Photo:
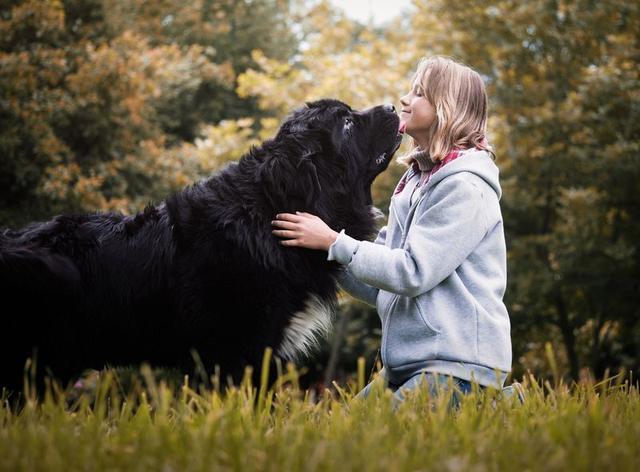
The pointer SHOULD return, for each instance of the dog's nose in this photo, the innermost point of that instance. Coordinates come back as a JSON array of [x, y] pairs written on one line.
[[389, 107]]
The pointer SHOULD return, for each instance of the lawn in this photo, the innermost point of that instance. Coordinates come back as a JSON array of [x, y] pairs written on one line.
[[164, 428]]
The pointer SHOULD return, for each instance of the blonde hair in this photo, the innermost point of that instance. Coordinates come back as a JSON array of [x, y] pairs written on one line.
[[458, 95]]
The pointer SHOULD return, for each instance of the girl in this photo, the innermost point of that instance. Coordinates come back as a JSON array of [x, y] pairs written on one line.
[[437, 271]]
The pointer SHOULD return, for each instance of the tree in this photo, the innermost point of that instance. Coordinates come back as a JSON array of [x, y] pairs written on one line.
[[101, 102]]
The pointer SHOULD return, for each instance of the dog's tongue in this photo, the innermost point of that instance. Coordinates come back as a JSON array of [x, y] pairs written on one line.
[[403, 126]]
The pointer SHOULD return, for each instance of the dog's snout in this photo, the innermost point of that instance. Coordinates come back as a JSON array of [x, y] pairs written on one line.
[[389, 107]]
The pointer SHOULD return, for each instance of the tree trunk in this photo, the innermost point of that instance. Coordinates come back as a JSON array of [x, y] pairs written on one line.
[[566, 328]]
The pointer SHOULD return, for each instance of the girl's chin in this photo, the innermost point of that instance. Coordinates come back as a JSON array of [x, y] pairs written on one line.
[[415, 133], [409, 132]]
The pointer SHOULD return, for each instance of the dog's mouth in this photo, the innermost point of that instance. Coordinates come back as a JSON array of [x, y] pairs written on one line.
[[385, 157]]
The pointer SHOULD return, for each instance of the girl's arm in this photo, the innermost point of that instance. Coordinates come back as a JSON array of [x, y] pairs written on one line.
[[309, 231], [439, 240], [355, 288], [352, 285]]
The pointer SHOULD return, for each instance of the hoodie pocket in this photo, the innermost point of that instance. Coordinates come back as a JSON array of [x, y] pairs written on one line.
[[407, 338], [424, 318]]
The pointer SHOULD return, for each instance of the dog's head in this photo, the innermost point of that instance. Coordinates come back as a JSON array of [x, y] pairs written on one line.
[[327, 153]]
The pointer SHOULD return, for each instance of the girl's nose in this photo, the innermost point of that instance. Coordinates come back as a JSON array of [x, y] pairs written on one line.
[[403, 101]]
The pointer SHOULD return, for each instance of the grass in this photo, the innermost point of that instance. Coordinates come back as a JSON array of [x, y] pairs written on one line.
[[585, 427]]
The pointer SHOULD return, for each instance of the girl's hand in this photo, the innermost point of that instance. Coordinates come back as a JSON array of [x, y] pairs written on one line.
[[303, 230]]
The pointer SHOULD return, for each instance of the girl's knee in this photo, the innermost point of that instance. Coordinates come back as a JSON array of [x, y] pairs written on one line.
[[377, 384], [436, 384]]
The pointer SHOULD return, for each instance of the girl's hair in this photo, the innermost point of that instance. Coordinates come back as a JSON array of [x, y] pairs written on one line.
[[458, 95]]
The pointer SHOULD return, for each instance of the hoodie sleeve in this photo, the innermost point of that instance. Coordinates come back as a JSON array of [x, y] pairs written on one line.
[[351, 284], [439, 239]]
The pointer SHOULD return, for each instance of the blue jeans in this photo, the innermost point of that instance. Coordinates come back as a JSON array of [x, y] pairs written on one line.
[[436, 383]]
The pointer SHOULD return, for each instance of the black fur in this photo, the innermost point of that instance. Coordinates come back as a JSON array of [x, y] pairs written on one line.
[[200, 270]]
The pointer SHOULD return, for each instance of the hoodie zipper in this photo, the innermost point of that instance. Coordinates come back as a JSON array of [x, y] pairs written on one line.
[[394, 299]]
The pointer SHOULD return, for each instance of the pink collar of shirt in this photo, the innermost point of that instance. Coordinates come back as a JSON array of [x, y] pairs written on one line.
[[426, 175]]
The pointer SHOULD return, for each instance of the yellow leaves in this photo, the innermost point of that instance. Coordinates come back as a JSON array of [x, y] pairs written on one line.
[[134, 104], [225, 142], [171, 67], [66, 182], [365, 72], [229, 140], [273, 84], [49, 144], [223, 72], [87, 191], [332, 26], [58, 179], [174, 168], [268, 128], [33, 19]]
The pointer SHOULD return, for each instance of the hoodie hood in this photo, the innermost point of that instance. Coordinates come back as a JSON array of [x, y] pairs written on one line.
[[471, 160]]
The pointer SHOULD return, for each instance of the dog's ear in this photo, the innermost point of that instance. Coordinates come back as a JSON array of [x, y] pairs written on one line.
[[291, 184], [308, 171]]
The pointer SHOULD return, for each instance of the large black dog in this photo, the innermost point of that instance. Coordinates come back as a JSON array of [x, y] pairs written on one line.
[[200, 271]]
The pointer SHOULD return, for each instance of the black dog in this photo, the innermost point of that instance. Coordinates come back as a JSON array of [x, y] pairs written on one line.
[[200, 271]]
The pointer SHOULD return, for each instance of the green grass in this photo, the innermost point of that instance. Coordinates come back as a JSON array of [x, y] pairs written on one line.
[[587, 427]]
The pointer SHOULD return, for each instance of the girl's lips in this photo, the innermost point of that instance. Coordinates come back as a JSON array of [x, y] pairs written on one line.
[[403, 127]]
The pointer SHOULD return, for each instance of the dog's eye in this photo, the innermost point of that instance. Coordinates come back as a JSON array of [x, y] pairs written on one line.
[[348, 124]]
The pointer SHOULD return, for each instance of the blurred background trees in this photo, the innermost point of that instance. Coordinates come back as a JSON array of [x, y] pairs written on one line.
[[563, 81], [102, 100], [110, 104]]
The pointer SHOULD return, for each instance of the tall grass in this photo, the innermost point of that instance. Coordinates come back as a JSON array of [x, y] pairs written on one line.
[[585, 427]]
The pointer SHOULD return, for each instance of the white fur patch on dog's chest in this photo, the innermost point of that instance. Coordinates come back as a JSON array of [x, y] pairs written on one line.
[[306, 328]]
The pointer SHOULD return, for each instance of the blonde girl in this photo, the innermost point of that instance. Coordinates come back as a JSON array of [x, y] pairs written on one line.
[[437, 271]]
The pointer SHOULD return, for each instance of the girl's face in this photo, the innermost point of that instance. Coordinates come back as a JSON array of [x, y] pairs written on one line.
[[418, 114]]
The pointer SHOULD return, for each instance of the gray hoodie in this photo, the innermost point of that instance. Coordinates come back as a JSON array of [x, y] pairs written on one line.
[[437, 275]]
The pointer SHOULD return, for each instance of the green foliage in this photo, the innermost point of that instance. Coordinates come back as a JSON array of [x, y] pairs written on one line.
[[563, 84]]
